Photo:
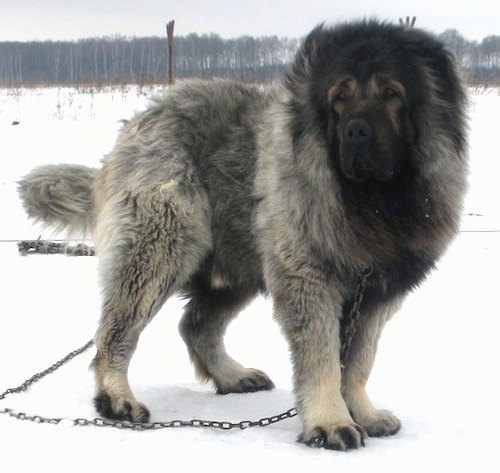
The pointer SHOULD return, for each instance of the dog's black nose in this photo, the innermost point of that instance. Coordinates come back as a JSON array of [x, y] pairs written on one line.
[[357, 131]]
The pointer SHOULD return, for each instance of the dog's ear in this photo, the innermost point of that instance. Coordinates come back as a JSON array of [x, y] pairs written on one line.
[[297, 76], [443, 70], [310, 44], [444, 82]]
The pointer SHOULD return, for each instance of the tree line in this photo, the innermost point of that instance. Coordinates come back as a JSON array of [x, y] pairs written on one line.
[[479, 60], [142, 60], [118, 59]]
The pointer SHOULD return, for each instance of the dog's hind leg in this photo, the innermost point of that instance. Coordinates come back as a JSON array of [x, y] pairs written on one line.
[[148, 247], [203, 326]]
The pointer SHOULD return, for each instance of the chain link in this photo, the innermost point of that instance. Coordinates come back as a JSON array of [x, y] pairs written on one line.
[[353, 315]]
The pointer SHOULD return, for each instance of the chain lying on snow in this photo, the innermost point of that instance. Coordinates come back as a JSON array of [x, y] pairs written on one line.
[[40, 246], [122, 424], [34, 379]]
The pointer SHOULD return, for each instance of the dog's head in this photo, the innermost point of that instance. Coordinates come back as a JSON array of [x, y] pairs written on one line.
[[367, 125], [376, 92]]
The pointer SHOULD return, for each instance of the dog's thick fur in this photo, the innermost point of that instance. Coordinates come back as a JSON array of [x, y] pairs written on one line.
[[220, 191]]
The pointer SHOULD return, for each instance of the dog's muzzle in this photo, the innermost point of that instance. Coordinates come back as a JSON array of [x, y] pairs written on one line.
[[359, 163]]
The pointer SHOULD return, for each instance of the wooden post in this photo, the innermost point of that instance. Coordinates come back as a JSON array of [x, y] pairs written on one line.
[[170, 42]]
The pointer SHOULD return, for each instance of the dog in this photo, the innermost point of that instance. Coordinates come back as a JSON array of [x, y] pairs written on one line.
[[354, 163]]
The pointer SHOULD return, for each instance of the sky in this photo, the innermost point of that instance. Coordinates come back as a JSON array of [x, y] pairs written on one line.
[[25, 20]]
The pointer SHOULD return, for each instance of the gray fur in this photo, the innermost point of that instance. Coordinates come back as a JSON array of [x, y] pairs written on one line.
[[220, 191], [60, 196]]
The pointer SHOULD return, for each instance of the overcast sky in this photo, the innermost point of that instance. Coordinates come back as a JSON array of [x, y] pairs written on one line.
[[22, 20]]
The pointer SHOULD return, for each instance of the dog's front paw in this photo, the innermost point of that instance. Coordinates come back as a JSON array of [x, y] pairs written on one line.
[[121, 408], [246, 381], [379, 423], [345, 436]]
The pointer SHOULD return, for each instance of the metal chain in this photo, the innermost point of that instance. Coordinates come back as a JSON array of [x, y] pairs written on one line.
[[222, 425], [34, 379], [354, 315]]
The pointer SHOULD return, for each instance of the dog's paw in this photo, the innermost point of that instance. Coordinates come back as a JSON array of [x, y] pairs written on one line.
[[341, 437], [121, 408], [252, 381], [380, 424]]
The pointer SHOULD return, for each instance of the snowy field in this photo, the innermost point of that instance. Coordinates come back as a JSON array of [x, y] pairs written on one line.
[[437, 366]]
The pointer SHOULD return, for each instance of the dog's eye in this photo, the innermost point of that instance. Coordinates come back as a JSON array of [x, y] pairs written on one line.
[[389, 93], [341, 97]]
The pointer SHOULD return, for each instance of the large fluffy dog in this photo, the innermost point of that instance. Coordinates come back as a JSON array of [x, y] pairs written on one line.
[[220, 191]]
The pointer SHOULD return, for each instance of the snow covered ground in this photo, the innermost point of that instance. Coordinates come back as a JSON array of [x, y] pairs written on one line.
[[437, 366]]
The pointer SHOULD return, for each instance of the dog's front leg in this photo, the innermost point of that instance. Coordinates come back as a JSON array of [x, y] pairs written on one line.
[[308, 310]]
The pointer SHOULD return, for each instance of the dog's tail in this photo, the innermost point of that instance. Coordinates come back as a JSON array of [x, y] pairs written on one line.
[[60, 197]]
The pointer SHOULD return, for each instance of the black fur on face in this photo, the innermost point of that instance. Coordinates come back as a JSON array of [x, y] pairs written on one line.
[[367, 128], [363, 97]]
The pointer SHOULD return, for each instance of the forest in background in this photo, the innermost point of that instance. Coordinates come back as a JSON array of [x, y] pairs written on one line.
[[120, 60]]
